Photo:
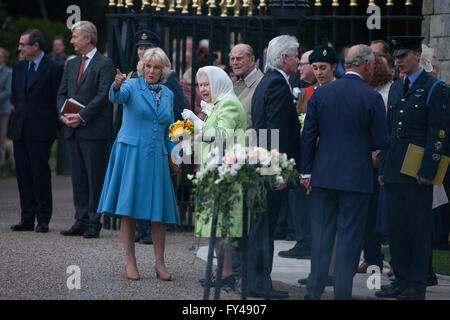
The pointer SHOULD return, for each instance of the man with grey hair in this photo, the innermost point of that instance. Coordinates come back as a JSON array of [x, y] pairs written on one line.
[[87, 79], [242, 60], [344, 123], [273, 111]]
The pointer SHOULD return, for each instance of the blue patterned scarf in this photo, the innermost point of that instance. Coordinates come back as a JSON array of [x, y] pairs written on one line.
[[156, 91]]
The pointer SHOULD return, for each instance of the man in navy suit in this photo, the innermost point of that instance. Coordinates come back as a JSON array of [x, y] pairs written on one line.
[[35, 82], [273, 110], [344, 123]]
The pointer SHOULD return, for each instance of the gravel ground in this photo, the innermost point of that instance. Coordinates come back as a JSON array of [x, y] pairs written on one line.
[[34, 265]]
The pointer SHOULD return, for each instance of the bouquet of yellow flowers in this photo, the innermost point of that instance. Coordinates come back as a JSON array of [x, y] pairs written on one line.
[[179, 128]]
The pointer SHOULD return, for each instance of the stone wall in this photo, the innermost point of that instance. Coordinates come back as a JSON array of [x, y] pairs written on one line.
[[436, 30]]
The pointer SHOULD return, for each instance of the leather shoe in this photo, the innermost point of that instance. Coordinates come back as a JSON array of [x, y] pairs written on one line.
[[272, 294], [42, 227], [432, 280], [91, 233], [390, 291], [296, 253], [228, 282], [146, 239], [22, 227], [76, 230], [138, 237], [329, 283], [411, 294]]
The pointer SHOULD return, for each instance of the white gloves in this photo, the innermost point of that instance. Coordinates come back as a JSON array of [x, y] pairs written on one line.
[[189, 115]]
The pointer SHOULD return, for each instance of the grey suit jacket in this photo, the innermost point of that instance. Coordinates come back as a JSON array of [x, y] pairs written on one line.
[[92, 92], [5, 89]]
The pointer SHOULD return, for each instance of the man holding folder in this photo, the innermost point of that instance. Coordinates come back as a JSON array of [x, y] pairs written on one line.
[[418, 117], [87, 79]]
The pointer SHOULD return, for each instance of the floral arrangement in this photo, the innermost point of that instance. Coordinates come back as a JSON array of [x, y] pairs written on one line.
[[179, 128], [242, 170]]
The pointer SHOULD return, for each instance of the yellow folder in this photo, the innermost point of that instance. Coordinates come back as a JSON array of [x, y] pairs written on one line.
[[413, 160]]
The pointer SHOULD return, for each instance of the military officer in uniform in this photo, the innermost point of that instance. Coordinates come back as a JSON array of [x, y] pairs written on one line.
[[146, 39], [418, 113], [323, 61]]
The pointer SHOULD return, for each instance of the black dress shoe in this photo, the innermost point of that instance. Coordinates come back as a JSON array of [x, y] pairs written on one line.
[[42, 228], [91, 233], [386, 286], [329, 283], [76, 230], [411, 294], [138, 237], [432, 280], [296, 253], [389, 291], [22, 227], [147, 239], [227, 283], [272, 294]]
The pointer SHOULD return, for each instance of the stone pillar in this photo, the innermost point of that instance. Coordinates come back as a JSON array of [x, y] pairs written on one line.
[[436, 30]]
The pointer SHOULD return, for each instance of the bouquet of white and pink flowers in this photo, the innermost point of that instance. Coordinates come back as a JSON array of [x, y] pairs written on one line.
[[251, 168]]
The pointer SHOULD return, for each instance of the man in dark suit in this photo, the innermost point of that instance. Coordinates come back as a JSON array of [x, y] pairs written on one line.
[[418, 114], [35, 82], [87, 79], [344, 123], [273, 111]]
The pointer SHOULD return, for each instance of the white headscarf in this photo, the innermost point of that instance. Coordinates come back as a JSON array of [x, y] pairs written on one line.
[[220, 85]]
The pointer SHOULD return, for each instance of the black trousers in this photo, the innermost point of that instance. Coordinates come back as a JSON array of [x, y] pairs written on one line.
[[409, 232], [301, 214], [372, 239], [89, 162], [261, 244], [34, 180]]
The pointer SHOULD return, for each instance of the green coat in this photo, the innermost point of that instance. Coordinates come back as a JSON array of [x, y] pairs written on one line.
[[228, 115]]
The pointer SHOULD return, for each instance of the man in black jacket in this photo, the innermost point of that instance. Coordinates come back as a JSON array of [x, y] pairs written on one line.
[[273, 110], [35, 82]]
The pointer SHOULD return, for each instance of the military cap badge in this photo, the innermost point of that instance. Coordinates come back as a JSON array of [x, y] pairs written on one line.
[[144, 36]]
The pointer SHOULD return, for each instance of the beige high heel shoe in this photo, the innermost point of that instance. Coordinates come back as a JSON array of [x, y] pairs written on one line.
[[164, 276], [131, 276]]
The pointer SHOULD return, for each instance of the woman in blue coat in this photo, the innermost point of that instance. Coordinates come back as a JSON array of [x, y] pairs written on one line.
[[137, 183]]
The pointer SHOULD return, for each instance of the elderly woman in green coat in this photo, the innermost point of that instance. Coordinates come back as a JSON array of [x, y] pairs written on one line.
[[225, 115]]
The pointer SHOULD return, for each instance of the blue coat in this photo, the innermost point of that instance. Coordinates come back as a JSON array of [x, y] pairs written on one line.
[[137, 182], [349, 119]]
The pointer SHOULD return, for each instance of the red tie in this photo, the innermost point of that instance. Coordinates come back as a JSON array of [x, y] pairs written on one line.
[[81, 69]]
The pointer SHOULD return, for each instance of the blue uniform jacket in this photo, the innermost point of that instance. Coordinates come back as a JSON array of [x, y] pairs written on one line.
[[418, 118]]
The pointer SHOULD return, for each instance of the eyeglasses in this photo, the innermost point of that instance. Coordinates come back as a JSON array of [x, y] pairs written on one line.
[[301, 64], [24, 44]]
